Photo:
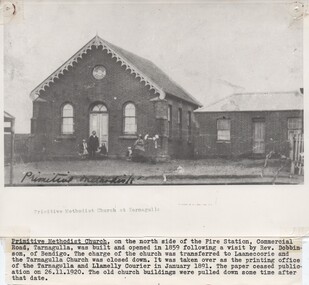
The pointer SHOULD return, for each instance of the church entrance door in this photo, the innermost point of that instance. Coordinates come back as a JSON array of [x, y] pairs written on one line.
[[98, 121]]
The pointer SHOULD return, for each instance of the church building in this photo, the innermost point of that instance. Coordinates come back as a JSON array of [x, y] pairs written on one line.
[[119, 95]]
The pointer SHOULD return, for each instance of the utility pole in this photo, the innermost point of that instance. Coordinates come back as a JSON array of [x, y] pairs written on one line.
[[10, 119]]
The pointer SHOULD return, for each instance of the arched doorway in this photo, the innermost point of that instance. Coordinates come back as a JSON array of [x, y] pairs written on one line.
[[98, 121]]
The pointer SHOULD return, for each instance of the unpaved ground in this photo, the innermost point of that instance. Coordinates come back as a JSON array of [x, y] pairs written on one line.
[[208, 171]]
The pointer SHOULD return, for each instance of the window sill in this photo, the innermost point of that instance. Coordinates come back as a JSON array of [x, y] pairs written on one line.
[[128, 137], [66, 137], [224, 142]]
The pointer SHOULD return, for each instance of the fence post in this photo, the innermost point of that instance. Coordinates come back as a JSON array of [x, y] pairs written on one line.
[[292, 172], [297, 154], [12, 151]]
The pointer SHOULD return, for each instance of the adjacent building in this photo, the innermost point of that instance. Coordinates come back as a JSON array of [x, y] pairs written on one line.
[[249, 125]]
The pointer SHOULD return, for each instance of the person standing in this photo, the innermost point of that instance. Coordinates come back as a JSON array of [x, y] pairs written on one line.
[[93, 144], [129, 153], [83, 149]]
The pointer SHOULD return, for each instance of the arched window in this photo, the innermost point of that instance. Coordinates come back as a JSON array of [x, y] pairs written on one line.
[[99, 108], [67, 119], [129, 119], [98, 122]]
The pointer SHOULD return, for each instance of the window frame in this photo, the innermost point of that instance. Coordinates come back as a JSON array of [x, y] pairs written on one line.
[[292, 131], [104, 110], [295, 128], [179, 121], [170, 120], [221, 138], [189, 123], [124, 117], [67, 117]]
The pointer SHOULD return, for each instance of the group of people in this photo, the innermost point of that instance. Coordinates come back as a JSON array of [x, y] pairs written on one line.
[[92, 148], [137, 152]]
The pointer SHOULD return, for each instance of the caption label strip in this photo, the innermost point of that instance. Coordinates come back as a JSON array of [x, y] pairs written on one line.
[[46, 259]]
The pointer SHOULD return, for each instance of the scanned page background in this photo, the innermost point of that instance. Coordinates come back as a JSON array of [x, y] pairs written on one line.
[[197, 212], [172, 210]]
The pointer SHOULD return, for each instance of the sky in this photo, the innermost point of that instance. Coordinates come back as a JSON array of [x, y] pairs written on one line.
[[212, 49]]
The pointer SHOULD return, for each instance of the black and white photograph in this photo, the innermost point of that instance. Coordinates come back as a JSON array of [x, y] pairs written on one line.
[[154, 142], [145, 93]]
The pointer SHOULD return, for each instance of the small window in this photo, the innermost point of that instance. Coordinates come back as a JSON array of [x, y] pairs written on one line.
[[223, 130], [129, 119], [295, 126], [67, 117], [169, 119], [180, 122], [294, 123], [189, 122], [99, 72]]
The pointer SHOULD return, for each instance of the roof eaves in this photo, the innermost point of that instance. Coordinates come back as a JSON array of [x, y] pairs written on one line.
[[192, 101], [7, 115], [97, 41], [134, 70], [45, 83]]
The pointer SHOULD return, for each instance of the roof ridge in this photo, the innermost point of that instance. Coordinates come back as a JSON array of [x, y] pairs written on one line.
[[136, 71], [218, 101], [143, 69], [159, 68], [261, 101], [173, 81], [266, 93]]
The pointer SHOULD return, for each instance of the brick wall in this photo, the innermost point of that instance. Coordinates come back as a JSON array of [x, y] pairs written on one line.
[[21, 148], [180, 144], [241, 143], [78, 87]]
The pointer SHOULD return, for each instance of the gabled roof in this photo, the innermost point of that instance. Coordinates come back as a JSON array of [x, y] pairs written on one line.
[[155, 74], [8, 116], [143, 69], [272, 101]]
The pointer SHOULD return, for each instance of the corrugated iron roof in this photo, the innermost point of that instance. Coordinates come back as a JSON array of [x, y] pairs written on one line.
[[157, 75], [267, 101], [8, 116]]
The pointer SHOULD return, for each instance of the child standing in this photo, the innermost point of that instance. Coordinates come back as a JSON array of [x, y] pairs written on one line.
[[129, 153]]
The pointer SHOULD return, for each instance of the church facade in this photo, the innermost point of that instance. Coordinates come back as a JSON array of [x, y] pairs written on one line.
[[119, 95]]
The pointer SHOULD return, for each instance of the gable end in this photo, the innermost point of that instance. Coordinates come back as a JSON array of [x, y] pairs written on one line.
[[97, 42]]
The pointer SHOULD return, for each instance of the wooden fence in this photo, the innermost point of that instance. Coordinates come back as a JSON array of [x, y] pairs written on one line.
[[297, 154]]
